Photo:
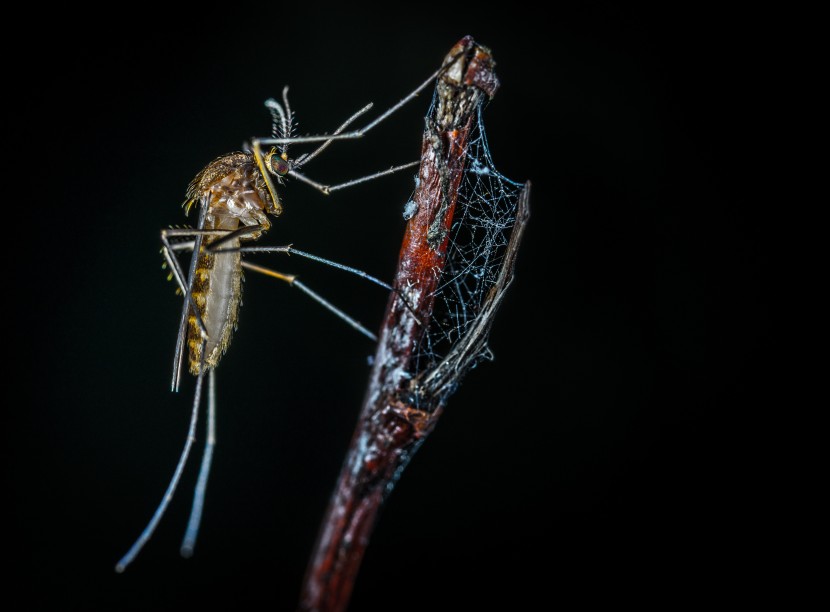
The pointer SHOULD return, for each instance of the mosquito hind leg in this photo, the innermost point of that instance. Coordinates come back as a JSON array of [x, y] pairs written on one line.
[[192, 532], [174, 481], [292, 280]]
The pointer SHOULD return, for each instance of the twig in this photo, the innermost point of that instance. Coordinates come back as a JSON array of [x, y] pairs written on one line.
[[403, 403]]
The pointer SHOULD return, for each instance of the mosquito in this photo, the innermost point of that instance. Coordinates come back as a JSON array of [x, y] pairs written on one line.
[[235, 194]]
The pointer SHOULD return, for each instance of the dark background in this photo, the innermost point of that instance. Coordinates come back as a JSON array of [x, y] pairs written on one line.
[[601, 457]]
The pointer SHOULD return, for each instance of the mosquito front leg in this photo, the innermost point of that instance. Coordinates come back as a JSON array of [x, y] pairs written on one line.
[[358, 133], [327, 189], [304, 159], [282, 118]]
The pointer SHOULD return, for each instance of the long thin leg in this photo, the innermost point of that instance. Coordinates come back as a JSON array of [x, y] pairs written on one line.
[[358, 133], [291, 250], [304, 159], [292, 280], [177, 474], [189, 542], [176, 270], [327, 189], [284, 120], [226, 235], [187, 303]]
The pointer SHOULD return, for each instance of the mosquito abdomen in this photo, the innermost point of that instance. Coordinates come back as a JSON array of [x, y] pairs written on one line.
[[217, 291]]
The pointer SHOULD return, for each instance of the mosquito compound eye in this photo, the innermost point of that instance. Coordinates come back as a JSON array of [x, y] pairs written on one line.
[[279, 166]]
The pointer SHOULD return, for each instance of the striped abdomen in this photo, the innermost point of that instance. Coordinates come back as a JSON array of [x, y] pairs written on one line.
[[217, 291]]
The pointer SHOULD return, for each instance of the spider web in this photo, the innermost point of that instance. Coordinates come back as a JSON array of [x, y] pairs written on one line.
[[485, 214]]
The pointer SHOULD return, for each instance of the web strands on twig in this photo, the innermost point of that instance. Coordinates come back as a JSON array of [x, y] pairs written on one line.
[[485, 214]]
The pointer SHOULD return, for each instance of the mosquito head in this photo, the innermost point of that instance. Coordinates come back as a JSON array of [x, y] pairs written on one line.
[[277, 163], [272, 164]]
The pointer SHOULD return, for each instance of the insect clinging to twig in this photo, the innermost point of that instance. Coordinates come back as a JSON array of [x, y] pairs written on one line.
[[236, 194]]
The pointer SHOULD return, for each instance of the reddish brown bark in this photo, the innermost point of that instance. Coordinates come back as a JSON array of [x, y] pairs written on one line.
[[396, 417]]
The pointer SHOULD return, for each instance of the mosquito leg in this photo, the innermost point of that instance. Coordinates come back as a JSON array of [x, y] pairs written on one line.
[[182, 246], [291, 250], [292, 280], [226, 236], [233, 235], [177, 474], [327, 189], [302, 161], [338, 134], [178, 273], [168, 248], [189, 542], [275, 107], [184, 232], [358, 133], [175, 267], [288, 278]]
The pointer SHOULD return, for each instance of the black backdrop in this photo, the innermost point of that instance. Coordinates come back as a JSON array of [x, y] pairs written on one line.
[[596, 459]]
